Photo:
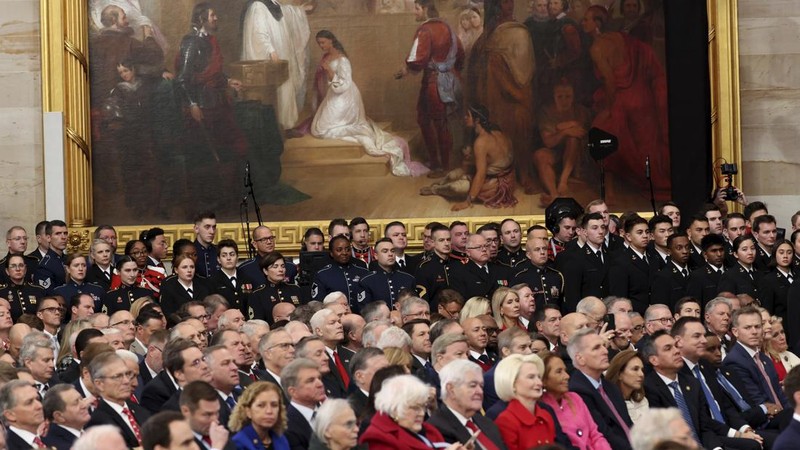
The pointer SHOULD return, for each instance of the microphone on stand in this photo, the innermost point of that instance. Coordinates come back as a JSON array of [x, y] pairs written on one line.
[[246, 173], [647, 167]]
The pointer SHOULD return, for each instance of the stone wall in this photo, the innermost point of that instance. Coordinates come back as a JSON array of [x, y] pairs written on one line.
[[769, 48]]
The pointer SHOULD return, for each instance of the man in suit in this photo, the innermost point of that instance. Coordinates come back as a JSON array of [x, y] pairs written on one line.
[[182, 360], [224, 379], [36, 354], [611, 242], [363, 366], [68, 412], [791, 435], [690, 339], [717, 319], [462, 396], [146, 323], [512, 341], [630, 273], [78, 343], [755, 369], [478, 276], [22, 413], [704, 281], [112, 378], [657, 251], [302, 380], [168, 431], [235, 342], [313, 348], [200, 407], [419, 331], [327, 325], [277, 351], [697, 230], [153, 361], [585, 271], [478, 339], [669, 283], [604, 399], [666, 387]]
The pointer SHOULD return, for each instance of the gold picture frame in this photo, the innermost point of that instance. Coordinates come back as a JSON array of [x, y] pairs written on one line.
[[65, 89]]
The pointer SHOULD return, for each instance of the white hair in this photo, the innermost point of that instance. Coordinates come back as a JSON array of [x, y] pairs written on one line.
[[333, 297], [455, 373], [32, 342], [398, 393], [394, 337], [95, 437], [326, 413], [252, 326], [107, 331], [128, 355], [368, 337], [319, 318], [654, 427]]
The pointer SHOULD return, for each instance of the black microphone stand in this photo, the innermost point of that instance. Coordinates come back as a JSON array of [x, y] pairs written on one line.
[[650, 181], [244, 212]]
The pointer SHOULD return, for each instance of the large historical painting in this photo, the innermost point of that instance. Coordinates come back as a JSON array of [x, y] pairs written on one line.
[[371, 107]]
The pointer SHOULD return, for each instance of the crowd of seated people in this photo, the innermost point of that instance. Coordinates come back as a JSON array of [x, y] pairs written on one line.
[[567, 337]]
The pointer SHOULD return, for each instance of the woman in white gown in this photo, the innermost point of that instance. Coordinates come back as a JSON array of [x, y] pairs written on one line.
[[341, 114]]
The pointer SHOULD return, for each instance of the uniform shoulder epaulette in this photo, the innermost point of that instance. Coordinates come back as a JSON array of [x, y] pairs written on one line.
[[170, 277], [327, 267], [425, 259], [368, 275], [3, 285], [551, 269], [260, 288], [35, 286]]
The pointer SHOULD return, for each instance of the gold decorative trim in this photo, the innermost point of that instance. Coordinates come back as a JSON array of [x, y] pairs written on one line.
[[65, 88]]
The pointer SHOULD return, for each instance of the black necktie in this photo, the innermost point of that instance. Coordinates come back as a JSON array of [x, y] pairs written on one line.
[[685, 272], [108, 276], [790, 278], [191, 293], [233, 281], [401, 263], [750, 272]]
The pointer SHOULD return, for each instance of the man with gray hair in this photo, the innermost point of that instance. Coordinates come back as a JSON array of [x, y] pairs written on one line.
[[718, 321], [394, 337], [462, 397], [513, 341], [254, 330], [414, 308], [616, 304], [67, 412], [277, 351], [353, 328], [302, 382], [658, 317], [372, 332], [373, 311], [337, 298], [106, 437], [603, 398], [327, 325], [661, 425], [594, 309], [231, 319], [445, 348], [363, 366], [36, 355], [22, 413]]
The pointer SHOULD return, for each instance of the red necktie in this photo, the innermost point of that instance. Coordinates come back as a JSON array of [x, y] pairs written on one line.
[[37, 441], [486, 443], [134, 399], [207, 440], [134, 424], [253, 376], [760, 366], [342, 370]]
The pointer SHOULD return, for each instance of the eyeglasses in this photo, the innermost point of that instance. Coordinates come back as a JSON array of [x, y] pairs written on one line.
[[53, 309], [16, 266], [638, 328], [120, 376], [158, 348], [283, 346], [663, 320], [122, 322], [201, 318], [480, 247], [265, 239]]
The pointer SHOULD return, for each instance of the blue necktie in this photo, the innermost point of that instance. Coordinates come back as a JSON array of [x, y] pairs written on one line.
[[231, 402], [716, 414], [683, 407], [731, 389]]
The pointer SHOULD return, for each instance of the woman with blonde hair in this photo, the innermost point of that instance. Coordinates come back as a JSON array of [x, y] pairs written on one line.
[[505, 307], [399, 357], [67, 341], [523, 424], [139, 303], [259, 418], [474, 307], [778, 350]]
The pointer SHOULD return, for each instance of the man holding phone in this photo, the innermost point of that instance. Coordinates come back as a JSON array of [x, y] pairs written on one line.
[[622, 326]]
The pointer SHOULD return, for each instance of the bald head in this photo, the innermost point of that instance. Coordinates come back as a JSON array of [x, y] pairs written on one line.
[[282, 311], [570, 324]]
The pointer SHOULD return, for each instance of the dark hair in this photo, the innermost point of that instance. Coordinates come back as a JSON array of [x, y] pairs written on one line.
[[53, 401], [195, 391], [41, 227], [408, 327], [679, 327], [791, 384], [632, 221], [647, 347], [331, 243], [129, 246], [617, 365], [480, 114], [54, 223], [357, 221], [753, 207], [430, 5], [83, 338], [269, 259], [205, 214], [739, 240], [657, 219], [375, 386], [676, 235], [540, 315], [148, 236], [383, 241], [156, 430], [8, 260], [335, 223], [773, 260], [173, 360], [733, 215], [394, 223], [710, 240], [699, 217], [146, 315], [313, 231], [682, 301], [335, 42], [758, 221], [361, 358], [229, 243], [457, 223], [591, 216], [122, 260], [179, 244]]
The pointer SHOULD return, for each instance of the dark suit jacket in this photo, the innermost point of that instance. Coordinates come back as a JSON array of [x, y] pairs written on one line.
[[173, 295], [773, 292], [298, 430], [446, 422], [14, 442], [472, 281], [59, 437], [739, 362], [157, 392], [737, 280], [669, 285], [726, 406], [659, 395], [105, 415], [696, 259], [95, 275], [786, 441], [602, 415], [71, 373], [584, 275], [704, 284], [144, 373], [792, 327], [229, 445], [755, 416], [263, 375], [629, 276], [358, 401]]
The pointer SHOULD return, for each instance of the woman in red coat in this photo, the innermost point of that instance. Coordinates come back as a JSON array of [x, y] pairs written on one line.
[[399, 423], [523, 424]]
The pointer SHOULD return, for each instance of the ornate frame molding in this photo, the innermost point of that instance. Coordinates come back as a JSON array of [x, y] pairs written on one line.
[[65, 88]]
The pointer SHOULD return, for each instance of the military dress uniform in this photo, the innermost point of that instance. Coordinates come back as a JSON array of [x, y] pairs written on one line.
[[669, 285], [459, 256], [95, 275], [342, 278], [761, 263], [261, 301], [657, 262], [252, 273], [207, 263], [471, 280], [585, 273], [367, 255], [546, 283], [433, 275], [35, 254], [72, 289], [704, 283], [511, 259], [773, 290], [174, 294], [50, 273], [739, 281], [696, 259], [235, 294], [31, 264], [630, 276], [24, 298], [383, 285], [122, 297]]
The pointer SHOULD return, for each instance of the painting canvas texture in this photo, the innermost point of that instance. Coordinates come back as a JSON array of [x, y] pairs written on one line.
[[374, 108]]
